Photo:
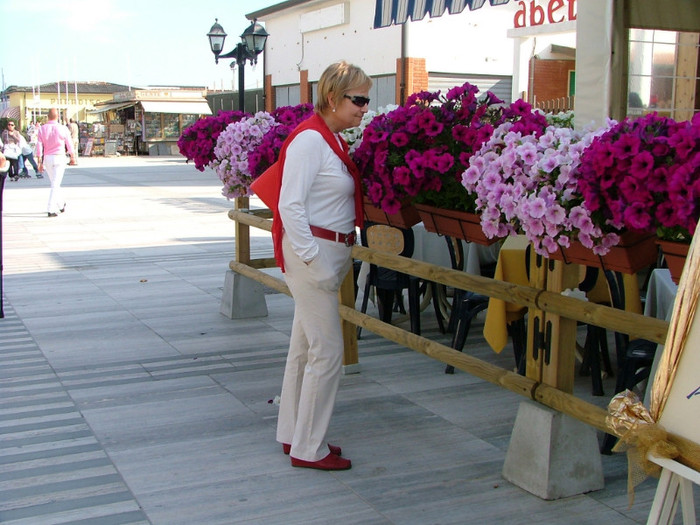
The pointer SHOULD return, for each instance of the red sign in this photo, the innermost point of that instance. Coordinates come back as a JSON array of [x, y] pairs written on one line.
[[551, 12]]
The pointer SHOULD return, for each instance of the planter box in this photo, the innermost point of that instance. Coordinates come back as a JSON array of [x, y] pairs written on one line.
[[405, 218], [675, 254], [634, 252], [452, 223]]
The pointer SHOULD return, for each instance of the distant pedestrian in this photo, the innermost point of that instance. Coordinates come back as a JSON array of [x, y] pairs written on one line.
[[75, 137], [12, 150], [28, 155], [29, 152], [53, 141]]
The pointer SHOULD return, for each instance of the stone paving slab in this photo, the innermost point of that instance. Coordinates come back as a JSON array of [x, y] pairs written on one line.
[[126, 397]]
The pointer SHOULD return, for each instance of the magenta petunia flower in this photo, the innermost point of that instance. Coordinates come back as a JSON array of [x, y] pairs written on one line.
[[651, 189], [626, 146], [637, 216], [399, 139]]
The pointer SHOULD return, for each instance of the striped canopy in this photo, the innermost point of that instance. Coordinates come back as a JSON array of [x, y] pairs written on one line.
[[388, 12]]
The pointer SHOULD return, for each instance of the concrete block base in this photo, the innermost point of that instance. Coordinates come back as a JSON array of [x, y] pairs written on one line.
[[351, 369], [242, 297], [552, 455]]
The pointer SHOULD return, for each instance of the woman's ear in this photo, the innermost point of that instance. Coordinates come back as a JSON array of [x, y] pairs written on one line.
[[330, 99]]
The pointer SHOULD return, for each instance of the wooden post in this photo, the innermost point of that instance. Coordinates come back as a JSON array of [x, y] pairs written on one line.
[[351, 357], [559, 359], [536, 321], [242, 232]]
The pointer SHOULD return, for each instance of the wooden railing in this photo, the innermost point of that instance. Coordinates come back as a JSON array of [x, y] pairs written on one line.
[[538, 299], [555, 105]]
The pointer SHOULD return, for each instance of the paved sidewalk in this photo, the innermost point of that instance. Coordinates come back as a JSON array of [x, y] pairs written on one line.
[[126, 397]]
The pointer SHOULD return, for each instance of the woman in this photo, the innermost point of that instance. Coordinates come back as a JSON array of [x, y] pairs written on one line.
[[320, 204], [11, 136]]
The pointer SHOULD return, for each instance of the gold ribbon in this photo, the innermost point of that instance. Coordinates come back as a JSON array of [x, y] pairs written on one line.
[[639, 437]]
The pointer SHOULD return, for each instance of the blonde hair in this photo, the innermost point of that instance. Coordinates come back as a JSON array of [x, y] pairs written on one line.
[[338, 79]]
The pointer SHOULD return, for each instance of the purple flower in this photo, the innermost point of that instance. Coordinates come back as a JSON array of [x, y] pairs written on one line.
[[640, 189], [399, 139], [433, 136], [197, 142]]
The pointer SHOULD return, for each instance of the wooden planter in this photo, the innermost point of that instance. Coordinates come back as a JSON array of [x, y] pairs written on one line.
[[458, 224], [675, 254], [634, 252], [405, 218]]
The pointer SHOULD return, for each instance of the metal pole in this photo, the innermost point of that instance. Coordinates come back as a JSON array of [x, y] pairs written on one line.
[[240, 61]]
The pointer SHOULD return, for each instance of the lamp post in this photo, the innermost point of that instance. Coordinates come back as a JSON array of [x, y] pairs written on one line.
[[251, 45]]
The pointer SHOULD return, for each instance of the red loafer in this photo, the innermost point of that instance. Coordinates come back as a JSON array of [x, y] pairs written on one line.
[[330, 462], [286, 448]]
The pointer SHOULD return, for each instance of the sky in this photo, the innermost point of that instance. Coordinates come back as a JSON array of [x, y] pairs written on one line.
[[136, 43]]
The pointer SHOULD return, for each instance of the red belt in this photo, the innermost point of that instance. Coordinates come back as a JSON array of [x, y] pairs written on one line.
[[348, 239]]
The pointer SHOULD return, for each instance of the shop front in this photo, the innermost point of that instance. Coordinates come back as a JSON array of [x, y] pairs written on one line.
[[145, 122]]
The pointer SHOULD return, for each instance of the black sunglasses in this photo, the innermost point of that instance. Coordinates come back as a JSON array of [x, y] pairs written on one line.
[[358, 100]]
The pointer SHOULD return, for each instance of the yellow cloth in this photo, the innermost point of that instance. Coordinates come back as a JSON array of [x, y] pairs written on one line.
[[510, 268]]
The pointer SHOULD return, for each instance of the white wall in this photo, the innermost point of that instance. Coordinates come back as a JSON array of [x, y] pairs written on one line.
[[288, 50], [471, 42]]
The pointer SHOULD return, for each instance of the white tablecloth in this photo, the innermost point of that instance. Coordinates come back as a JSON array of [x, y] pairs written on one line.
[[661, 295], [432, 248]]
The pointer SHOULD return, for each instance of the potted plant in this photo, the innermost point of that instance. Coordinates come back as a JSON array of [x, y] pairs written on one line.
[[286, 119], [643, 174], [233, 147], [417, 152], [197, 142], [526, 183]]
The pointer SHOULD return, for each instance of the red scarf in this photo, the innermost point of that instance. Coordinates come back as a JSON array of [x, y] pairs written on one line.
[[318, 124]]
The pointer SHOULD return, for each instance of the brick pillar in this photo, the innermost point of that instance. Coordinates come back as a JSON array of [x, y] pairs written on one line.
[[304, 87], [269, 94], [412, 76]]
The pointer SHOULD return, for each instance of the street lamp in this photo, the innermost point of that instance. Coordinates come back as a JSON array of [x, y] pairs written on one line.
[[251, 45]]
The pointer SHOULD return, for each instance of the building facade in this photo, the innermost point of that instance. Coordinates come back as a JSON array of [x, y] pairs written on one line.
[[148, 121], [432, 53], [623, 56], [73, 99]]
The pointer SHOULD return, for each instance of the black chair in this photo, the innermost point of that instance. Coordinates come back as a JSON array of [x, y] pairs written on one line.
[[639, 359], [595, 347], [467, 305], [389, 284]]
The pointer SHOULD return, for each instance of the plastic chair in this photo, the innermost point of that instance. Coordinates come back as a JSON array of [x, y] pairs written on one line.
[[466, 307], [595, 347], [637, 368], [388, 283]]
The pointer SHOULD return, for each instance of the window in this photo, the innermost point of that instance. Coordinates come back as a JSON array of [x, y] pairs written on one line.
[[154, 126], [663, 73], [171, 125], [167, 125]]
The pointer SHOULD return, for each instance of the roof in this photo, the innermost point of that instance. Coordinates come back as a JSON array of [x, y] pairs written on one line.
[[275, 8], [82, 87]]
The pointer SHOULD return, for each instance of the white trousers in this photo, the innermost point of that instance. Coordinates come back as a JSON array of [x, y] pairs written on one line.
[[55, 166], [312, 372]]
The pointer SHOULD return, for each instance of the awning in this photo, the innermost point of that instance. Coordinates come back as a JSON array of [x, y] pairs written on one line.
[[176, 106], [12, 112], [388, 12], [110, 107]]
